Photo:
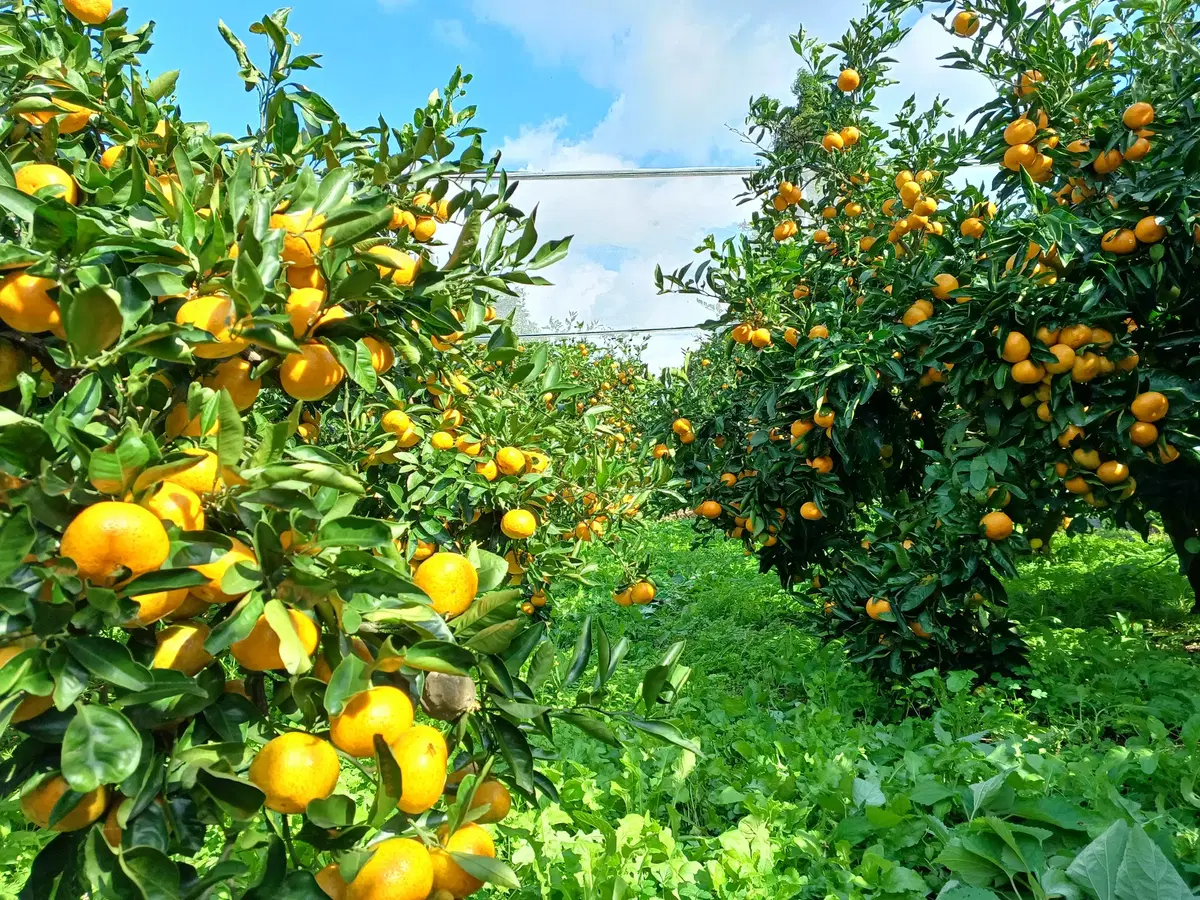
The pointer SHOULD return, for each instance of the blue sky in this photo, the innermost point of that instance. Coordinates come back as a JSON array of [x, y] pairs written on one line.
[[377, 57], [562, 84]]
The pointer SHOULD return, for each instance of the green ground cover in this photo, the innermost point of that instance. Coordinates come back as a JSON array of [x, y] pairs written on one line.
[[1075, 781]]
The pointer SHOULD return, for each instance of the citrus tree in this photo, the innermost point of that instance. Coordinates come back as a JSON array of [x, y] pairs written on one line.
[[938, 373], [269, 476]]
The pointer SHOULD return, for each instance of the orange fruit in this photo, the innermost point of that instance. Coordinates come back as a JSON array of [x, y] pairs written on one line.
[[810, 511], [1149, 231], [1138, 150], [971, 227], [306, 311], [447, 874], [518, 524], [1019, 156], [329, 880], [33, 705], [965, 25], [396, 422], [1112, 472], [943, 285], [681, 426], [293, 770], [877, 608], [1075, 336], [304, 277], [1028, 82], [848, 80], [421, 754], [383, 357], [642, 593], [450, 581], [303, 235], [37, 804], [396, 265], [26, 305], [709, 509], [177, 423], [495, 796], [33, 177], [1119, 240], [1077, 485], [997, 525], [818, 332], [385, 711], [1149, 406], [399, 869], [510, 461], [741, 334], [233, 375], [89, 12], [155, 606], [1108, 161], [214, 571], [1066, 359], [832, 141], [112, 535], [1138, 115], [1020, 131], [175, 503], [204, 477], [216, 314], [1016, 347], [181, 647], [1143, 434], [312, 373], [259, 650]]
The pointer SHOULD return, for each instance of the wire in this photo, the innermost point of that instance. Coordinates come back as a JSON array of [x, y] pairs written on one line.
[[683, 172], [551, 334]]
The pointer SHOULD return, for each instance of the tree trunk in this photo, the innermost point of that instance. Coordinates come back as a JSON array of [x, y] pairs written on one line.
[[1182, 528]]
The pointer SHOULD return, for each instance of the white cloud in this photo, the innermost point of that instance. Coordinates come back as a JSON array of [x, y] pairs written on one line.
[[922, 75], [681, 73], [450, 32], [681, 70]]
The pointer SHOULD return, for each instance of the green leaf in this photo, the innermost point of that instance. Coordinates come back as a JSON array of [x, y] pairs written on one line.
[[109, 661], [390, 783], [155, 875], [100, 747], [291, 651], [17, 535], [488, 869], [162, 85], [347, 679], [493, 571], [163, 580], [336, 811], [1146, 873], [439, 656], [515, 749], [237, 625], [1098, 864], [239, 798], [550, 253], [355, 357], [665, 731], [590, 726], [231, 439], [583, 651], [354, 531]]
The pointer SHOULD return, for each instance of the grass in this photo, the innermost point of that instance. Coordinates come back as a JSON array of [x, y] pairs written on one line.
[[816, 782]]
